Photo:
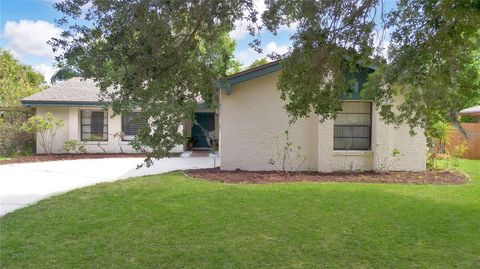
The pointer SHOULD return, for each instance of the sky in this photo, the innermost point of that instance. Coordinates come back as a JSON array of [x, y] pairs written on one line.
[[27, 25]]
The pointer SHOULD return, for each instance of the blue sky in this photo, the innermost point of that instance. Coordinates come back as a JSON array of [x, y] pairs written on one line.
[[26, 26]]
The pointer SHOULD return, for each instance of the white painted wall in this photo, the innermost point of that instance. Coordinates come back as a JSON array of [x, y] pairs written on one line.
[[71, 131], [252, 115], [250, 120]]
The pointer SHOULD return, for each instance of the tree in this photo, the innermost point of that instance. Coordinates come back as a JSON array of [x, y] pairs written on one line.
[[431, 60], [152, 54], [160, 55], [16, 80], [258, 62], [63, 73]]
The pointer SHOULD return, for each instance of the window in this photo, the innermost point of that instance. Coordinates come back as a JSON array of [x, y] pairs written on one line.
[[131, 125], [94, 125], [352, 130]]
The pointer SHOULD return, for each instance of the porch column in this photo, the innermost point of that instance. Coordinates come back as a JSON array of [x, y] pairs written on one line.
[[73, 123]]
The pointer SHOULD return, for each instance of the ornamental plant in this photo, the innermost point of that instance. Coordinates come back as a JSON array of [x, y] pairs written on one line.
[[45, 129]]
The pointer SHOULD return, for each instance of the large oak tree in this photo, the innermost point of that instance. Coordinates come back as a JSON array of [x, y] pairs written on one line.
[[160, 55]]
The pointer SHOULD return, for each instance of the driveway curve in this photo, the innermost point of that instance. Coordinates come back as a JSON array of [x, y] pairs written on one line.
[[25, 183]]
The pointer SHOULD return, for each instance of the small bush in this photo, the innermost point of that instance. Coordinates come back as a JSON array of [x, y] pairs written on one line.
[[74, 146], [443, 156], [45, 127], [13, 139]]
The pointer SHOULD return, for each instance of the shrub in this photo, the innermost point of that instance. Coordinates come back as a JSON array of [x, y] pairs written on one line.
[[287, 157], [45, 128], [388, 162], [74, 146], [457, 153], [13, 139], [98, 140]]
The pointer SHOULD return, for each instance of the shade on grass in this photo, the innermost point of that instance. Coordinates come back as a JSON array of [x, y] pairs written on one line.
[[170, 221]]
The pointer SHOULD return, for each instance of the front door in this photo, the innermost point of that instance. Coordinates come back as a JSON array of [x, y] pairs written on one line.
[[207, 120]]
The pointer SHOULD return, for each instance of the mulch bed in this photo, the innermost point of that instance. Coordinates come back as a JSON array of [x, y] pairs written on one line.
[[59, 157], [265, 177]]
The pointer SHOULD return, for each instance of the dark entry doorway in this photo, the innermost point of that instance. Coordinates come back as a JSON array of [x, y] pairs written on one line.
[[207, 121]]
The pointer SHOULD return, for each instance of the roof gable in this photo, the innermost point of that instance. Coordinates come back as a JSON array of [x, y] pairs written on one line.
[[262, 70]]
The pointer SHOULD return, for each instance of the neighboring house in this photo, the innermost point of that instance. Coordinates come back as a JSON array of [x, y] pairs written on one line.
[[473, 111], [76, 101], [252, 115]]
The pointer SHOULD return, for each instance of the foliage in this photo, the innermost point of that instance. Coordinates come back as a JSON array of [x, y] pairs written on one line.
[[74, 146], [258, 62], [155, 55], [438, 135], [387, 163], [161, 55], [176, 222], [13, 139], [449, 160], [119, 136], [469, 119], [286, 157], [457, 152], [16, 80], [45, 129], [433, 57], [98, 142], [63, 73], [209, 136]]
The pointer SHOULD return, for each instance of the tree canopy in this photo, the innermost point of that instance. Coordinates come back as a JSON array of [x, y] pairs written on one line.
[[160, 55], [258, 62], [16, 80], [64, 72]]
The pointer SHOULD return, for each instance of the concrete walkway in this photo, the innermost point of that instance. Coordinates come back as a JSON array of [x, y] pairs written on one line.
[[25, 183]]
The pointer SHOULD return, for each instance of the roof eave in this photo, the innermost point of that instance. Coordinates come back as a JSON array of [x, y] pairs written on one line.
[[39, 103]]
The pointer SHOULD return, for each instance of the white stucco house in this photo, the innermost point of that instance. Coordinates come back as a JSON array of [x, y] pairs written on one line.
[[249, 119], [85, 117], [252, 115]]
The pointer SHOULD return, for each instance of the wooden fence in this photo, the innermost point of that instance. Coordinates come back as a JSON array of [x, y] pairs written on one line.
[[456, 138]]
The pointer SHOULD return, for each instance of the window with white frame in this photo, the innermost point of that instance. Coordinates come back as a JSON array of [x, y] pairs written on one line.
[[353, 127], [94, 125], [132, 123]]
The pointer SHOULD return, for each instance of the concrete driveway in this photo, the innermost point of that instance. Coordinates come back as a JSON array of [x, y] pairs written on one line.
[[25, 183]]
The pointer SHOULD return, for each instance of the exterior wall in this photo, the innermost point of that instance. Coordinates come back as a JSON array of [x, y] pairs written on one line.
[[387, 138], [252, 115], [353, 160], [250, 120], [62, 134], [71, 131]]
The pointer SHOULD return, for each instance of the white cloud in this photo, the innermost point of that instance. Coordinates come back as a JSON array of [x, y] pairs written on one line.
[[241, 30], [46, 70], [29, 38], [246, 57], [273, 48]]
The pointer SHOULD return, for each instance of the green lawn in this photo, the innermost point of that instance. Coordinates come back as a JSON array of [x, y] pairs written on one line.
[[171, 221]]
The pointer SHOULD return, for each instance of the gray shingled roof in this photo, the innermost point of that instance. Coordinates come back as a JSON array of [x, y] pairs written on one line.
[[74, 90]]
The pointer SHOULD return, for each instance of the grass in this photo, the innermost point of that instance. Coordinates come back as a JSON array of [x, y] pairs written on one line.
[[170, 221]]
